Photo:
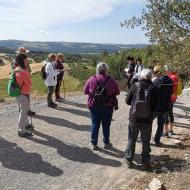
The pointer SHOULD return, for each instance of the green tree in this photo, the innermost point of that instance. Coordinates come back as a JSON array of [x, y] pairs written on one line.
[[167, 25]]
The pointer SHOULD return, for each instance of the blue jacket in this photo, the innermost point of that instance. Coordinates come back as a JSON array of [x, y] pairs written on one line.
[[165, 89]]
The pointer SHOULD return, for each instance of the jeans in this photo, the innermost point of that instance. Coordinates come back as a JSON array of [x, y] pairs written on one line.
[[161, 117], [50, 94], [133, 132], [101, 115], [170, 115]]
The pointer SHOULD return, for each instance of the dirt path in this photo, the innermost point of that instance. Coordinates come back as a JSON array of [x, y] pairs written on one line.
[[58, 156]]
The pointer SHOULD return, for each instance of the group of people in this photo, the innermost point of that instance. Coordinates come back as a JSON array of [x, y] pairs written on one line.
[[54, 71], [151, 95]]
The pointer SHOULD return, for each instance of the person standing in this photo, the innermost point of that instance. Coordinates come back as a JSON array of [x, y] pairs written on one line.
[[51, 78], [143, 99], [139, 66], [59, 66], [23, 50], [102, 90], [165, 89], [168, 128], [129, 72], [23, 80]]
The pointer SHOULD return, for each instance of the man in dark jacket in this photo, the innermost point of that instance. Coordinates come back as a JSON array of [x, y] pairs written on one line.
[[59, 66], [144, 125], [165, 89]]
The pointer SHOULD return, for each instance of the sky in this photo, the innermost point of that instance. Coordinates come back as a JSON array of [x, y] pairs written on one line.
[[96, 21]]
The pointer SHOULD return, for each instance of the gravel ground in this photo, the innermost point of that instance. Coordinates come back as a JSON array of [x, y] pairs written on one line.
[[58, 156]]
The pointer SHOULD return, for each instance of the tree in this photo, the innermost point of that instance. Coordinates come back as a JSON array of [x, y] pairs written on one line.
[[167, 25]]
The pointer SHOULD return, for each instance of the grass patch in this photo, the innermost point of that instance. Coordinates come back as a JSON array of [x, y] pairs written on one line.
[[39, 88]]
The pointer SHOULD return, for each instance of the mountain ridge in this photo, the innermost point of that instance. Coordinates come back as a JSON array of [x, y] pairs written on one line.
[[68, 47]]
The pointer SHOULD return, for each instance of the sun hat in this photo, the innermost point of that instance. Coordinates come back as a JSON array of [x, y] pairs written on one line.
[[22, 50]]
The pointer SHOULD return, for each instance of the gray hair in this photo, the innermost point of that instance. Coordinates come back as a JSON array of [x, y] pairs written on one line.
[[102, 68], [146, 74]]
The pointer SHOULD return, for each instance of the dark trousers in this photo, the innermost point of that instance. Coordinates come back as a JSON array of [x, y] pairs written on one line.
[[133, 132], [50, 94], [57, 89], [101, 115], [170, 115], [161, 117]]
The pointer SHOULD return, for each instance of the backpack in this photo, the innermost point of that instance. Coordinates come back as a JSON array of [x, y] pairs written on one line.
[[13, 88], [141, 102], [43, 72], [101, 97]]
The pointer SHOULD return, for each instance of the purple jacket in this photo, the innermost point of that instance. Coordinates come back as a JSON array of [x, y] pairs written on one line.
[[112, 89]]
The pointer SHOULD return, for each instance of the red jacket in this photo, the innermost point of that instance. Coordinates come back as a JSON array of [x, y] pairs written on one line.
[[174, 77]]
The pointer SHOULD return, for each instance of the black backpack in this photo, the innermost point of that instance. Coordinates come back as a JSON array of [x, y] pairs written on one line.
[[43, 72], [101, 97], [141, 102]]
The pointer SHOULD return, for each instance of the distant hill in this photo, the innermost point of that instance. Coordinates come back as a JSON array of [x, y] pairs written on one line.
[[67, 47]]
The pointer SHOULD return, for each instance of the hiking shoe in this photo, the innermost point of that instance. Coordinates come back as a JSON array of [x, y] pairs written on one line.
[[128, 163], [31, 113], [52, 105], [94, 147], [30, 127], [60, 99], [159, 144], [108, 146], [24, 134], [146, 166]]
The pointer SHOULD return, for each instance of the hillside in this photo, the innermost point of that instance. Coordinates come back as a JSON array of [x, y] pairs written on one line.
[[67, 47]]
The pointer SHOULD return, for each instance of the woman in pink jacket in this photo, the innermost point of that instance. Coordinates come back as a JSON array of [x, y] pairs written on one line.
[[23, 79]]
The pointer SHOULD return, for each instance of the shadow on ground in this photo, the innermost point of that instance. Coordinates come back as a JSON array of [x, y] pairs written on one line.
[[73, 152], [162, 164], [15, 158], [62, 122]]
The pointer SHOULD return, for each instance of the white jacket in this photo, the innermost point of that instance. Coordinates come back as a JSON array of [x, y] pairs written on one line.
[[51, 73]]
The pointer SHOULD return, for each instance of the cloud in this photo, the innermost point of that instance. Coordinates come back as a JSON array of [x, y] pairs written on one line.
[[45, 13], [43, 32], [29, 17]]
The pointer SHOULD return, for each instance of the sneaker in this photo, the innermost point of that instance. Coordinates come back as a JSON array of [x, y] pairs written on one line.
[[165, 135], [30, 127], [128, 163], [31, 113], [170, 133], [24, 134], [108, 146]]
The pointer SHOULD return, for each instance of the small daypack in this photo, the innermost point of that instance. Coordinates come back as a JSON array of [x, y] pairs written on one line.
[[101, 97], [141, 102], [43, 72], [13, 88]]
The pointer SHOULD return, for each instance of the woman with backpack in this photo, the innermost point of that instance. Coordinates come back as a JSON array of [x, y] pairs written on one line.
[[102, 91], [23, 80], [51, 78]]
